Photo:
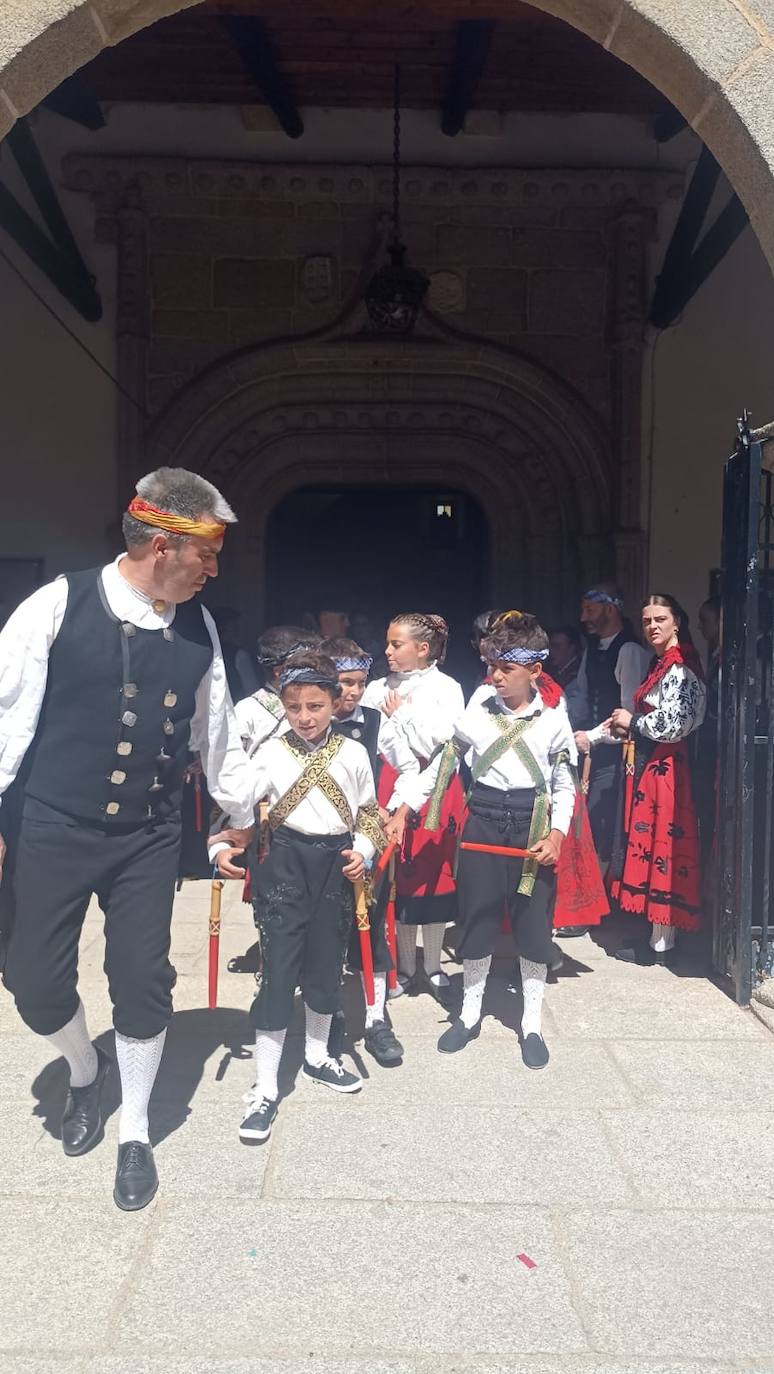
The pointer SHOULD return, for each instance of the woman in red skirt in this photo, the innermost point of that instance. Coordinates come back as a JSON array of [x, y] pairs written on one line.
[[659, 875], [419, 706]]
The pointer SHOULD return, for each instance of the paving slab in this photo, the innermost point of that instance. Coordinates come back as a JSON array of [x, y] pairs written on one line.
[[64, 1262], [620, 1001], [668, 1284], [701, 1076], [707, 1159], [497, 1154], [303, 1277]]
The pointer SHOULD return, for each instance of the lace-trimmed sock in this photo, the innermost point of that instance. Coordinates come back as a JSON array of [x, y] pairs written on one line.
[[268, 1053], [432, 944], [474, 975], [138, 1064], [74, 1043], [533, 983], [662, 938], [318, 1028], [376, 1012], [407, 949]]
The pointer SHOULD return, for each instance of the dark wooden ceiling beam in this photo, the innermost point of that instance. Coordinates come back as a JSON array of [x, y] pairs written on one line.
[[472, 41], [256, 50]]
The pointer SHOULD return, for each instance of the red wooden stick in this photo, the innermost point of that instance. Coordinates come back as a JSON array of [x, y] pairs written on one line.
[[215, 898], [364, 932], [497, 849], [384, 859], [389, 923]]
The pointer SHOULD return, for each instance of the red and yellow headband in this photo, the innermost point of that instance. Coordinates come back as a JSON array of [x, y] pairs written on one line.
[[176, 524]]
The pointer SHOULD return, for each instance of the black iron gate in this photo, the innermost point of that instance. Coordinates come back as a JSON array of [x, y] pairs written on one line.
[[743, 945]]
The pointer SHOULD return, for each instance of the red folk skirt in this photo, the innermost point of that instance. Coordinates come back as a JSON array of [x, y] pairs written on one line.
[[661, 877], [424, 875], [581, 899]]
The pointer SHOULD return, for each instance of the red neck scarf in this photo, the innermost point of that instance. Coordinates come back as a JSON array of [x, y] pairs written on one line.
[[680, 653]]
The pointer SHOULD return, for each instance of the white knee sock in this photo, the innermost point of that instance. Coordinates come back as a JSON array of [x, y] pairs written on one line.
[[432, 944], [662, 938], [474, 976], [376, 1012], [318, 1027], [533, 982], [268, 1053], [73, 1042], [407, 949], [138, 1064]]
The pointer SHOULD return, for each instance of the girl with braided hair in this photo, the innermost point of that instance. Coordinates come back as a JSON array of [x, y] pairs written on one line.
[[419, 706]]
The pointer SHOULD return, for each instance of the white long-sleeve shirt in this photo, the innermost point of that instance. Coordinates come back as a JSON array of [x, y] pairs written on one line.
[[679, 703], [631, 667], [257, 722], [549, 734], [25, 643], [431, 703], [274, 769]]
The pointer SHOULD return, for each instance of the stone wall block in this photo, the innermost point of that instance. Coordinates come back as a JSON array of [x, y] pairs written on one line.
[[747, 106], [211, 325], [533, 248], [181, 280], [457, 243], [569, 303], [255, 326], [187, 356], [496, 297], [221, 237], [32, 62], [240, 282], [595, 19]]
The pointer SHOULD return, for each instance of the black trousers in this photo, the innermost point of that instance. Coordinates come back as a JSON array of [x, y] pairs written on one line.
[[58, 864], [303, 910], [604, 797], [487, 883]]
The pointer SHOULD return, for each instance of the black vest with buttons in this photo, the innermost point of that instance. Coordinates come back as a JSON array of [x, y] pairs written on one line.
[[112, 737], [603, 686]]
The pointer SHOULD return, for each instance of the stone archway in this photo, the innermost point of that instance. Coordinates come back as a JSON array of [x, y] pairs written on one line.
[[357, 411], [720, 75]]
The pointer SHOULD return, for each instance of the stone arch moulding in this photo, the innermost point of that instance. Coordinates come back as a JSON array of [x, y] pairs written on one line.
[[351, 412], [719, 75]]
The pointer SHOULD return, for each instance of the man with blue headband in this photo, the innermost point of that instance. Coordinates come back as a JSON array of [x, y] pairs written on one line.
[[613, 666]]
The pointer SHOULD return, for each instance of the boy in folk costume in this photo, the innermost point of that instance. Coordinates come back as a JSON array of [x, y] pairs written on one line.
[[325, 828], [363, 723], [262, 714], [419, 706], [521, 754]]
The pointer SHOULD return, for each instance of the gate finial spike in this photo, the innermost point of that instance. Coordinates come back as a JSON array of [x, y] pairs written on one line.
[[743, 429]]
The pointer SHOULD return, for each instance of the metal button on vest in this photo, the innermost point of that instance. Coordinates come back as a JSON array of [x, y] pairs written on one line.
[[167, 633], [129, 689], [128, 718], [117, 777], [170, 699], [163, 758], [159, 607], [156, 786], [124, 747], [113, 808], [168, 727]]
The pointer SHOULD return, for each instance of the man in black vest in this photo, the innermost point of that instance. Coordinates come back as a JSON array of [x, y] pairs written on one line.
[[105, 676], [612, 668]]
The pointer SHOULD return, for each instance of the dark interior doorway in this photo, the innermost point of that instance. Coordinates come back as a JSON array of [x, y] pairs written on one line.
[[379, 550]]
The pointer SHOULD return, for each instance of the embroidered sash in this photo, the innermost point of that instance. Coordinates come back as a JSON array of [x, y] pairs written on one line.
[[315, 774], [369, 823]]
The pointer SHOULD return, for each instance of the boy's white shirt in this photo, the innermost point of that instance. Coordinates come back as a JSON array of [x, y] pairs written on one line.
[[275, 769], [413, 734], [256, 723], [550, 733]]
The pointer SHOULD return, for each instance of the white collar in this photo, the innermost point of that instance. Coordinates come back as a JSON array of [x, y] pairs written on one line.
[[533, 707], [357, 715], [415, 673]]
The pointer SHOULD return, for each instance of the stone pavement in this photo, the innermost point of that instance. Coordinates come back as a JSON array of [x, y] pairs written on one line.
[[383, 1234]]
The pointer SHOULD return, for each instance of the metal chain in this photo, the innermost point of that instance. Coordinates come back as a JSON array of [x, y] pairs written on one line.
[[396, 157]]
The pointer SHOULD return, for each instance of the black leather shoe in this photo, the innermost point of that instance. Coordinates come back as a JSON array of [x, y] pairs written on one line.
[[136, 1177], [82, 1117], [571, 932], [457, 1037], [534, 1051], [381, 1041]]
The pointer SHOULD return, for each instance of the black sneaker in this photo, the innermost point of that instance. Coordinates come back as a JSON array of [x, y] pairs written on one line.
[[259, 1119], [381, 1041], [82, 1117], [332, 1074], [534, 1051], [337, 1034], [457, 1037]]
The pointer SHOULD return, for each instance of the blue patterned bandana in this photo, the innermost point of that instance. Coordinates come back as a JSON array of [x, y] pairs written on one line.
[[602, 598], [354, 665], [306, 677], [526, 657]]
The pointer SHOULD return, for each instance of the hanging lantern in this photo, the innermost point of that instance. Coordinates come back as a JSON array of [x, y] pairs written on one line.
[[395, 292]]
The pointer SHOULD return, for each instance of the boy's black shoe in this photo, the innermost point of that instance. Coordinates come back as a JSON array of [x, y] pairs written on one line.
[[570, 932], [136, 1177], [457, 1037], [534, 1051], [381, 1041], [259, 1120], [82, 1117], [332, 1074], [337, 1034]]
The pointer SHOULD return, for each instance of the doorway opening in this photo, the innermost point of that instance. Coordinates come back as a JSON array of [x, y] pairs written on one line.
[[377, 550]]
